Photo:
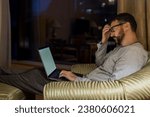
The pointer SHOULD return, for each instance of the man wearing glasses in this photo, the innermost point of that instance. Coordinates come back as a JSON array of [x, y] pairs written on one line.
[[128, 57]]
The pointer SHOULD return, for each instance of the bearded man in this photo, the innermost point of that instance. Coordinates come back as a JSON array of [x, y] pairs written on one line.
[[128, 57]]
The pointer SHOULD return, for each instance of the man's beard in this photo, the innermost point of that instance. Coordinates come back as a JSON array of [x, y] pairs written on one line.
[[119, 38]]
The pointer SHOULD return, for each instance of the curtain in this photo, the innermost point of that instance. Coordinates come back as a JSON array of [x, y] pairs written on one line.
[[5, 35], [140, 10], [148, 22]]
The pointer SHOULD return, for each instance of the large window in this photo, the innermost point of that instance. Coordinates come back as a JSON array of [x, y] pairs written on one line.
[[92, 16], [99, 11], [29, 28]]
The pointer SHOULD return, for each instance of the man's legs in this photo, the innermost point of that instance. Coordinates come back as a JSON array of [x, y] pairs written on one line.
[[31, 81]]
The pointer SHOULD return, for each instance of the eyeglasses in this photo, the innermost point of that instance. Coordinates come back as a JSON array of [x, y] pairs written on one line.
[[112, 28]]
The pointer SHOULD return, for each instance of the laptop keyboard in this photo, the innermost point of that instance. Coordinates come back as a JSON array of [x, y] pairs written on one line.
[[55, 74]]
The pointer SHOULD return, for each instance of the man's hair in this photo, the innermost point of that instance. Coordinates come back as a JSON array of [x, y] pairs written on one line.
[[126, 17]]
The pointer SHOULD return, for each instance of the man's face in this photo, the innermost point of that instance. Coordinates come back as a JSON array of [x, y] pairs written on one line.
[[117, 31]]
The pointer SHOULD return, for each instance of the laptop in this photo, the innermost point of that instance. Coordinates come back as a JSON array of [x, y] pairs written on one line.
[[49, 65]]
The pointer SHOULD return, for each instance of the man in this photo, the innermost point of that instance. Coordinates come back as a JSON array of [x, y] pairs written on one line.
[[128, 57]]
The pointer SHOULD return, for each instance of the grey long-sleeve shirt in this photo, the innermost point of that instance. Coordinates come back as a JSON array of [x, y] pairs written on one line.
[[120, 62]]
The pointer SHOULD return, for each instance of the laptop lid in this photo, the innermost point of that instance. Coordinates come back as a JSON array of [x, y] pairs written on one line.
[[47, 60]]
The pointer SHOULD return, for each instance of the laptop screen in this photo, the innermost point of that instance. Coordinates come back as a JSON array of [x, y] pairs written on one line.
[[47, 60]]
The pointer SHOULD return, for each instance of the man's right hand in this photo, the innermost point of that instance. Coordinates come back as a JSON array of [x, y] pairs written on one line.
[[68, 75], [105, 33]]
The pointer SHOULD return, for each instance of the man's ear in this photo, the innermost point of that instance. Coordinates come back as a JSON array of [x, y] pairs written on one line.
[[126, 26]]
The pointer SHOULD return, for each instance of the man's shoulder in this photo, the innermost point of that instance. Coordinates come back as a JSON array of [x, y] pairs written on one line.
[[134, 49]]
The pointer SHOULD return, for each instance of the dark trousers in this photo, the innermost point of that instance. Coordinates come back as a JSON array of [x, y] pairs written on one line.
[[31, 81]]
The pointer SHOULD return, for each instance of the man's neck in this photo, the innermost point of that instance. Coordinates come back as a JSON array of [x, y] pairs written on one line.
[[129, 39]]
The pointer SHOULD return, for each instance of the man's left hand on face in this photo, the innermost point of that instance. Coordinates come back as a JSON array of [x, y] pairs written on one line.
[[68, 74]]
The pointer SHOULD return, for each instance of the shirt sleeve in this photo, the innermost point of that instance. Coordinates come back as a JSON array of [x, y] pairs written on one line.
[[100, 53], [82, 79]]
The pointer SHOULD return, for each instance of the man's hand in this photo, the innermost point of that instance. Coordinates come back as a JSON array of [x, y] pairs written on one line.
[[105, 33], [68, 74]]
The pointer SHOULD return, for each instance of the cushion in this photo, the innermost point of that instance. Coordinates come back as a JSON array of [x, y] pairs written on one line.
[[8, 92]]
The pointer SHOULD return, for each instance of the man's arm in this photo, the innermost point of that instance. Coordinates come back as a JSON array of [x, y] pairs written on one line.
[[122, 69], [129, 62], [100, 54], [102, 46]]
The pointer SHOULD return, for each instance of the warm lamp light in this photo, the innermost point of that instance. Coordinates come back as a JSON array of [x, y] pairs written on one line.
[[54, 25], [93, 24]]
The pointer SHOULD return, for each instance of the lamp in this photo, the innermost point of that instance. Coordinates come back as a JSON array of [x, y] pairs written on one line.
[[111, 2], [55, 25], [93, 24], [93, 27]]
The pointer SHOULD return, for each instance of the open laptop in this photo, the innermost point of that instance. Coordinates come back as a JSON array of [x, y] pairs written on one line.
[[49, 65]]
